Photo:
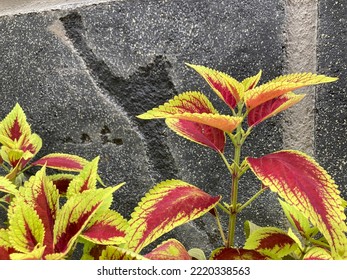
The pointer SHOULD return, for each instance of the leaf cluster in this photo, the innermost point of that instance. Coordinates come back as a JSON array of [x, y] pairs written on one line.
[[308, 195], [48, 215]]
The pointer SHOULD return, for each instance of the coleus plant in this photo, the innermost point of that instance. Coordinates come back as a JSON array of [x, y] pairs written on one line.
[[308, 195], [48, 215]]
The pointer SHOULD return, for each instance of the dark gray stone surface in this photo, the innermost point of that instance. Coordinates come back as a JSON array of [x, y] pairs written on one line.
[[83, 75], [331, 116]]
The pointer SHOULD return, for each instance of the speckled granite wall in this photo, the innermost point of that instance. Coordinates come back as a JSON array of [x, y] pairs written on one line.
[[331, 113], [83, 73]]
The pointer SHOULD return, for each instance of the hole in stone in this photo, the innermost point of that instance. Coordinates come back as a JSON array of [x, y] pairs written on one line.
[[117, 141], [68, 140], [105, 130], [85, 138], [104, 139]]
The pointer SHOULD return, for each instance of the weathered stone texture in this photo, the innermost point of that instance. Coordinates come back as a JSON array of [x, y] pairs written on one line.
[[331, 115], [82, 75]]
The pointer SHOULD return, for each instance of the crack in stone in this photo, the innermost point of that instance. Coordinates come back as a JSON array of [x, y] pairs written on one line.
[[148, 87]]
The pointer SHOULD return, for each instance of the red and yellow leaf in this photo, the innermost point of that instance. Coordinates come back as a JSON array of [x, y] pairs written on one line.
[[117, 253], [199, 133], [14, 125], [23, 151], [251, 82], [221, 122], [317, 253], [170, 249], [7, 186], [12, 174], [61, 161], [192, 116], [20, 152], [304, 78], [187, 102], [41, 195], [166, 206], [6, 248], [194, 107], [74, 216], [91, 251], [282, 85], [272, 242], [26, 229], [299, 180], [85, 180], [226, 87], [62, 181], [15, 136], [297, 219], [272, 107], [36, 254], [107, 228], [236, 254]]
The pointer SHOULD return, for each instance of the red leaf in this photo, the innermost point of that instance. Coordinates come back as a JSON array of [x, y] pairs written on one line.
[[42, 196], [317, 253], [166, 206], [272, 242], [226, 87], [6, 248], [85, 180], [108, 228], [61, 181], [26, 230], [237, 254], [195, 107], [199, 133], [60, 161], [169, 250], [251, 82], [192, 116], [282, 85], [272, 107], [14, 125], [304, 184], [75, 215], [5, 253]]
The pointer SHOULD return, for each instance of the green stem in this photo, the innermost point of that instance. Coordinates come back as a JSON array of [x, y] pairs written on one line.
[[319, 243], [224, 209], [3, 206], [236, 172], [234, 188], [249, 201], [229, 166], [220, 226], [5, 167]]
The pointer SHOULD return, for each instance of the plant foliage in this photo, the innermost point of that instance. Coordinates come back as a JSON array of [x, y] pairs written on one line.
[[309, 197], [48, 215]]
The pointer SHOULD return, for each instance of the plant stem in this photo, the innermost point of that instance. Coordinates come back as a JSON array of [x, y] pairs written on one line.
[[319, 243], [249, 201], [223, 208], [234, 188], [5, 167], [220, 226], [2, 206], [229, 166]]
